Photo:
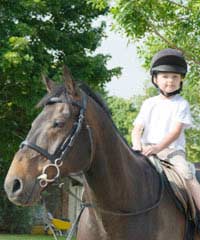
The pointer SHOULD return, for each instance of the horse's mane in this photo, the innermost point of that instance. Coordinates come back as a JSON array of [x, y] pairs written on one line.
[[96, 97]]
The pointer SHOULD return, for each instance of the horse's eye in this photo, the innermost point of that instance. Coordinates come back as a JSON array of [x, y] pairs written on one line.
[[58, 124]]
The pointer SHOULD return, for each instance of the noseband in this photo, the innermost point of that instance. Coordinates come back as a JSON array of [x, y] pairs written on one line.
[[62, 150]]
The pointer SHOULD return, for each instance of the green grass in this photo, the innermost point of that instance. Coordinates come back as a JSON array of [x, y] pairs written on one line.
[[28, 237]]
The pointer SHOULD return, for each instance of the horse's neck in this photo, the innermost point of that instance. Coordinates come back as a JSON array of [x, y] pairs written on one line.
[[114, 172]]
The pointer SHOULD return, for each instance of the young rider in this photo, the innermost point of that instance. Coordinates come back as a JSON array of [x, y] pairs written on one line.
[[160, 124]]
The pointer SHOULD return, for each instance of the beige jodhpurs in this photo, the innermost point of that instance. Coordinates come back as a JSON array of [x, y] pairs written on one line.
[[178, 159]]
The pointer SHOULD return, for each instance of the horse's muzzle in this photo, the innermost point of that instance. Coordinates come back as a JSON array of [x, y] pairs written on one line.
[[13, 188]]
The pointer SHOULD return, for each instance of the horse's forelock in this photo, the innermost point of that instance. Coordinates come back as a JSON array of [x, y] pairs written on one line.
[[60, 89], [57, 92]]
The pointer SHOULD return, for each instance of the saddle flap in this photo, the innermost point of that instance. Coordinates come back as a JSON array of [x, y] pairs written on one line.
[[178, 187]]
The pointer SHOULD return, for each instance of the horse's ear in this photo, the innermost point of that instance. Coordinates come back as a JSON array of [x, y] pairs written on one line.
[[50, 85], [69, 82]]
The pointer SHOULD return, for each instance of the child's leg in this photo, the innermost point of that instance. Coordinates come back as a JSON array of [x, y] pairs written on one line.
[[187, 170], [194, 187]]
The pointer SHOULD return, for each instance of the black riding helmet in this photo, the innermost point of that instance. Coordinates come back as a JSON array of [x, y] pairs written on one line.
[[168, 60]]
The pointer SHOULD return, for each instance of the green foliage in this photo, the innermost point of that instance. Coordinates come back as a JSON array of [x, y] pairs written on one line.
[[98, 4], [38, 37], [192, 148], [14, 219], [123, 113]]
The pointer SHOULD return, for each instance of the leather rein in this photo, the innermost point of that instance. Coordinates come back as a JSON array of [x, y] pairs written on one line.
[[58, 157]]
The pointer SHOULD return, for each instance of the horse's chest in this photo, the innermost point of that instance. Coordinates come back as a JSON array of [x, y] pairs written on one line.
[[110, 228]]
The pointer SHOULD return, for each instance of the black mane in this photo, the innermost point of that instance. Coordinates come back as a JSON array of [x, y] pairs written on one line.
[[96, 97]]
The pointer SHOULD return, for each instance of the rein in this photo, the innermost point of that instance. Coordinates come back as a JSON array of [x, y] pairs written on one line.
[[136, 213], [58, 157], [83, 205]]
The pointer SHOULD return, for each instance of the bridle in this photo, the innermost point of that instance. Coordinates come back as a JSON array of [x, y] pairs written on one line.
[[62, 150]]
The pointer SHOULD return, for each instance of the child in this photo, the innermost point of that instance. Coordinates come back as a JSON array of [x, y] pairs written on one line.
[[160, 124]]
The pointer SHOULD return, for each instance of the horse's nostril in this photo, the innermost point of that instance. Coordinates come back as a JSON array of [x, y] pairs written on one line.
[[16, 185]]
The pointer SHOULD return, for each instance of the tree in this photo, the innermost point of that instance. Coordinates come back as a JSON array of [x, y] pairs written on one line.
[[39, 36], [123, 113], [154, 25]]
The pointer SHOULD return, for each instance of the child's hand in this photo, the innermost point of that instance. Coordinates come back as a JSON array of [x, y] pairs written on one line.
[[150, 150], [137, 147]]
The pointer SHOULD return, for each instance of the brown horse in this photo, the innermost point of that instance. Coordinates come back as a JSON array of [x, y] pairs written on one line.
[[75, 134]]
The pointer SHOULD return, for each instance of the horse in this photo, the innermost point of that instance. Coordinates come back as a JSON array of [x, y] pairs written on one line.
[[123, 194]]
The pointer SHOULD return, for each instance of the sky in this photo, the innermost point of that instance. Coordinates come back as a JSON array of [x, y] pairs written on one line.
[[123, 54]]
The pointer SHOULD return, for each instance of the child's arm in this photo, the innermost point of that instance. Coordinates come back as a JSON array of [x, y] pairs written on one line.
[[136, 137], [169, 138]]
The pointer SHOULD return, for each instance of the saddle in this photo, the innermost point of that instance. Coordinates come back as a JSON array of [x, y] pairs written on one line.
[[177, 188]]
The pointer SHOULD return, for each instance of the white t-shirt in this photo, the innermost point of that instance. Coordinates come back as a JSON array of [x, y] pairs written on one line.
[[159, 115]]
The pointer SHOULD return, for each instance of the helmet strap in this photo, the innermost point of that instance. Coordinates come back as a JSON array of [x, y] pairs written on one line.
[[165, 93], [171, 93]]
